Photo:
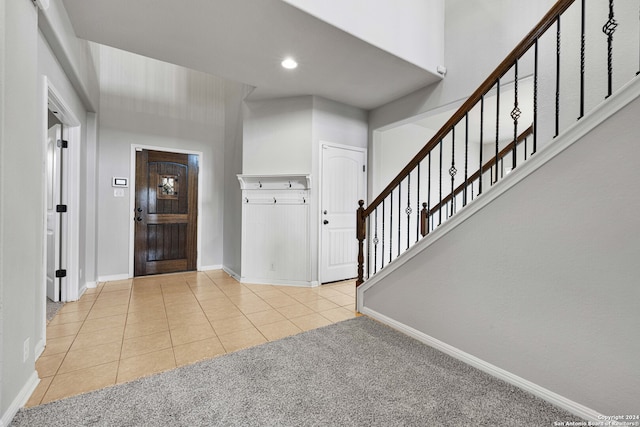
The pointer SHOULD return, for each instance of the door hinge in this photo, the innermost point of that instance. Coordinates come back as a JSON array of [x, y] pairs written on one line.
[[61, 273], [364, 168], [63, 144], [61, 208]]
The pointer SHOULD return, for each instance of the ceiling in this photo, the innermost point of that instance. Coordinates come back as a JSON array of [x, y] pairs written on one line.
[[245, 41]]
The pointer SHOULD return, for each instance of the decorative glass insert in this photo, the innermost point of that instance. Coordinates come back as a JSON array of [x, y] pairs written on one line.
[[168, 187]]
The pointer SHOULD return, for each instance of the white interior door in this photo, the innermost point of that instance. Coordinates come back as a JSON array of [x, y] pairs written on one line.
[[343, 184], [53, 223]]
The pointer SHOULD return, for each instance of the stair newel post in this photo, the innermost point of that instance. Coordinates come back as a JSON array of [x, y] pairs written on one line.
[[424, 218], [361, 230]]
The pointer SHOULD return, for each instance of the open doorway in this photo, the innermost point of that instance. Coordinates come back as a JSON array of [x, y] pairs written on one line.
[[60, 212], [55, 220]]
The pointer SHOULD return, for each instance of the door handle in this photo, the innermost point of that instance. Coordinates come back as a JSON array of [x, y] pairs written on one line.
[[325, 222], [139, 219], [139, 209]]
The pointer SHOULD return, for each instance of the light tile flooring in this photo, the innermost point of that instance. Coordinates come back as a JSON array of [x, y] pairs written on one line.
[[128, 329]]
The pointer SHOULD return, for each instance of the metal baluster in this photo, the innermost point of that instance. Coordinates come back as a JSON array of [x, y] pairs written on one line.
[[418, 206], [382, 249], [428, 190], [497, 127], [609, 28], [557, 77], [515, 115], [582, 51], [408, 209], [535, 99], [638, 73], [466, 158], [391, 227], [375, 243], [440, 208], [453, 170], [368, 225], [525, 148], [399, 214], [481, 143]]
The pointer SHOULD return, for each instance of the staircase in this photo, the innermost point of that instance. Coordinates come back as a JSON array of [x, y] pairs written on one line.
[[523, 261]]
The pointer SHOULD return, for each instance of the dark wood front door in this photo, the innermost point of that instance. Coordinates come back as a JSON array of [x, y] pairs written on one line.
[[165, 212]]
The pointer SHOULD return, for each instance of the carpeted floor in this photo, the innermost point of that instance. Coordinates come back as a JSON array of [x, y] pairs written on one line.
[[52, 309], [354, 373]]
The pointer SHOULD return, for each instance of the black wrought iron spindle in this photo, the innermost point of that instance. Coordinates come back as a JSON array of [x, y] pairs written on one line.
[[428, 191], [515, 115], [481, 143], [368, 225], [391, 226], [526, 150], [399, 214], [418, 207], [535, 98], [466, 158], [557, 77], [440, 208], [497, 128], [609, 28], [582, 59], [453, 170], [408, 209], [375, 242], [382, 248], [638, 73]]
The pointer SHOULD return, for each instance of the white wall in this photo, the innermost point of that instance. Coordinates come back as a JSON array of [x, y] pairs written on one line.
[[21, 201], [393, 149], [283, 136], [410, 29], [549, 286], [335, 123], [233, 123], [277, 136], [149, 102], [469, 29]]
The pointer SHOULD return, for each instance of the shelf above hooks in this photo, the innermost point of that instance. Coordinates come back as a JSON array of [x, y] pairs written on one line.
[[275, 182]]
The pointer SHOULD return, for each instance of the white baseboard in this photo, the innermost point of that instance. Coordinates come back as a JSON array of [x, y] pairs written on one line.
[[38, 349], [20, 400], [254, 281], [91, 285], [113, 277], [231, 273], [210, 267], [541, 392]]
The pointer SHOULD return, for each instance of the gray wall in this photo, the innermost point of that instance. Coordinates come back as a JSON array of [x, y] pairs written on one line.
[[21, 195], [233, 121], [543, 282], [149, 102], [284, 136]]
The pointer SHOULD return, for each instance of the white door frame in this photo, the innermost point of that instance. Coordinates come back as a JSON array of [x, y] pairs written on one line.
[[71, 181], [132, 199], [320, 185]]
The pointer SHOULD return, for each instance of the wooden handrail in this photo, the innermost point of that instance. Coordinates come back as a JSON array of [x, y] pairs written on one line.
[[487, 166], [545, 23]]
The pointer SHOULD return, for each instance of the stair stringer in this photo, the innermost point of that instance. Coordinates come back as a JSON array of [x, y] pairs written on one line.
[[556, 313]]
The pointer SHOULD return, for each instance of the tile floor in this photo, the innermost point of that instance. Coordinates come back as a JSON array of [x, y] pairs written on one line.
[[128, 329]]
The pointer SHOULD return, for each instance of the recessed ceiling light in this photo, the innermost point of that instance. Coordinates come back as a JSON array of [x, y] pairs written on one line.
[[289, 63]]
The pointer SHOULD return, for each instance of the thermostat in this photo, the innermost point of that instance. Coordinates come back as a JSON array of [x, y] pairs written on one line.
[[119, 182]]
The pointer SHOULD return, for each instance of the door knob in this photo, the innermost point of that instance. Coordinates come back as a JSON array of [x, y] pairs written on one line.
[[325, 222]]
